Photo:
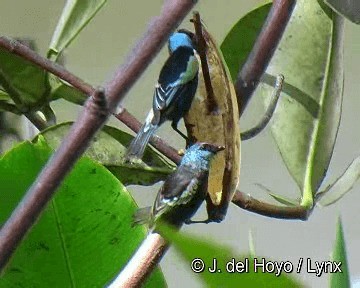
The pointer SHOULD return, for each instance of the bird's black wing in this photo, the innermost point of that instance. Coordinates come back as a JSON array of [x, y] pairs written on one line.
[[167, 90], [178, 189]]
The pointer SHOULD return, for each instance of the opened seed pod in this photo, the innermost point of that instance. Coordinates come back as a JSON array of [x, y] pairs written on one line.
[[215, 119]]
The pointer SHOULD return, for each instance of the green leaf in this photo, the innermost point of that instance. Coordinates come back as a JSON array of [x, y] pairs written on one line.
[[59, 89], [192, 249], [307, 116], [4, 96], [26, 83], [241, 38], [350, 9], [340, 279], [83, 238], [279, 198], [75, 16], [108, 148], [341, 186], [252, 251], [9, 107]]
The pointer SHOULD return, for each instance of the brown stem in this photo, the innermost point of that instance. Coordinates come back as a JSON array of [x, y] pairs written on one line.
[[248, 203], [25, 52], [92, 118], [263, 50]]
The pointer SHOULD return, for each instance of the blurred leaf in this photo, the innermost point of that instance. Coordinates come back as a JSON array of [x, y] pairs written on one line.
[[341, 186], [220, 126], [340, 279], [9, 107], [59, 89], [4, 96], [108, 148], [284, 200], [306, 120], [240, 40], [192, 249], [83, 238], [350, 9], [26, 83], [75, 16], [279, 198], [252, 251]]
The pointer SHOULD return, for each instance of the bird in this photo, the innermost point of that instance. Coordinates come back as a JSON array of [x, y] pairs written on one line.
[[174, 91], [183, 191]]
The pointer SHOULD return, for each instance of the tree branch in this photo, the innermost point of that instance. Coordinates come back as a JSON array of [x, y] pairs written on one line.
[[95, 113], [142, 263], [263, 50], [248, 203]]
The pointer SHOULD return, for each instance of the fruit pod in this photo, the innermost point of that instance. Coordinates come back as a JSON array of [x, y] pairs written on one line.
[[215, 119]]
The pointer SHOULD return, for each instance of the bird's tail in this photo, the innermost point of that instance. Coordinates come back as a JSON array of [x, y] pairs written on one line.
[[142, 216], [138, 144]]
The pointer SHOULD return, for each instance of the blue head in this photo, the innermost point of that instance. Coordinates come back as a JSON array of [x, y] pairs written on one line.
[[179, 39], [200, 154]]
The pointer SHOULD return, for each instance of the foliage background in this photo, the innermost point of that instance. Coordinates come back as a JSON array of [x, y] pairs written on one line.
[[104, 44]]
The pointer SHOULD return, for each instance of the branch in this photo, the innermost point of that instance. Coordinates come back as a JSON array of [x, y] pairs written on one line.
[[142, 263], [94, 115], [263, 50], [248, 203], [128, 119], [25, 52]]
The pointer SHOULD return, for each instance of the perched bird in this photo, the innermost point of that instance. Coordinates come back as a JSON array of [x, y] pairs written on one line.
[[183, 191], [174, 91]]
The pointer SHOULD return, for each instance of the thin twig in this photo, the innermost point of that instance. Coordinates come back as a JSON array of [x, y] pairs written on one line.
[[263, 50], [25, 52], [142, 263], [91, 119], [252, 132], [128, 119]]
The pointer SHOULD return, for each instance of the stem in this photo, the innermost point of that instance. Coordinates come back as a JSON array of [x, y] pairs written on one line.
[[263, 50], [142, 263], [248, 203], [252, 132], [94, 115]]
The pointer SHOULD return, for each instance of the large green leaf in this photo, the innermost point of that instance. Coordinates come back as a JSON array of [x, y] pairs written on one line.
[[26, 83], [350, 9], [199, 253], [75, 16], [240, 40], [340, 279], [84, 236], [108, 148], [307, 117]]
